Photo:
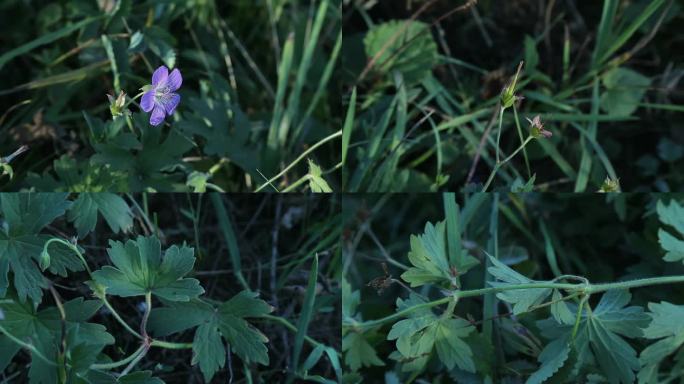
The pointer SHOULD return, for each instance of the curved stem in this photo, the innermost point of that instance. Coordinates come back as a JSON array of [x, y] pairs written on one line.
[[132, 99], [298, 159], [119, 319], [28, 346], [116, 364], [145, 347], [78, 253], [71, 246]]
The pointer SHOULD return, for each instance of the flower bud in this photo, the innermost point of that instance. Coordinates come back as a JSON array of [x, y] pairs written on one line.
[[610, 186], [44, 259], [508, 97], [117, 106], [537, 128]]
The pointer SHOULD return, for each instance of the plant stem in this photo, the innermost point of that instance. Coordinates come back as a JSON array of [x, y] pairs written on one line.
[[580, 309], [71, 246], [116, 364], [520, 135], [583, 288], [119, 319], [504, 161], [75, 249], [298, 159], [498, 134], [28, 346], [144, 348], [146, 315], [593, 288], [169, 345]]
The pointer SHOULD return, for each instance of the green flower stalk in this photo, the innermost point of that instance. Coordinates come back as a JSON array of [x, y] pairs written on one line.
[[537, 131]]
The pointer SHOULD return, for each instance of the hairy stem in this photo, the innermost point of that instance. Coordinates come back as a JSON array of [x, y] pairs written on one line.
[[582, 288]]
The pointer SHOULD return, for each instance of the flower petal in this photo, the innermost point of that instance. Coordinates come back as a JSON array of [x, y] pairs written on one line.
[[157, 115], [159, 76], [171, 102], [147, 102], [175, 80]]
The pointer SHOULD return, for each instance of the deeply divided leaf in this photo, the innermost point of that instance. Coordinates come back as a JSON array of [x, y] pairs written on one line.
[[140, 268], [672, 215], [225, 321]]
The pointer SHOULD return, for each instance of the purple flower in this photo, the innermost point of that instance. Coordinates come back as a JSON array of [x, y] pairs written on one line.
[[161, 99]]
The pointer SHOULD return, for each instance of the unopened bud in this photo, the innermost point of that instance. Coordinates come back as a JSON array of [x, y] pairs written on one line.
[[610, 185]]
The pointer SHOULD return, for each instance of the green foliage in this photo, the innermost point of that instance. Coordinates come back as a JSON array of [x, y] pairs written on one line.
[[358, 352], [599, 337], [417, 336], [62, 84], [429, 258], [85, 340], [317, 183], [560, 313], [141, 269], [525, 299], [146, 318], [403, 46], [226, 320], [429, 80], [624, 90], [112, 207], [21, 242], [666, 326], [672, 215]]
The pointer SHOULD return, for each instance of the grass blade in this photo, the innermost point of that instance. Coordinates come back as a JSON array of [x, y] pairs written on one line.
[[452, 213], [585, 162], [550, 252], [348, 126], [45, 39], [112, 61], [304, 66], [305, 315], [623, 37], [283, 77], [489, 306], [229, 235]]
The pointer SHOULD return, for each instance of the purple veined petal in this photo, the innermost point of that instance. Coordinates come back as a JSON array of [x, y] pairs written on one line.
[[175, 80], [157, 115], [160, 75], [147, 101], [171, 102]]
